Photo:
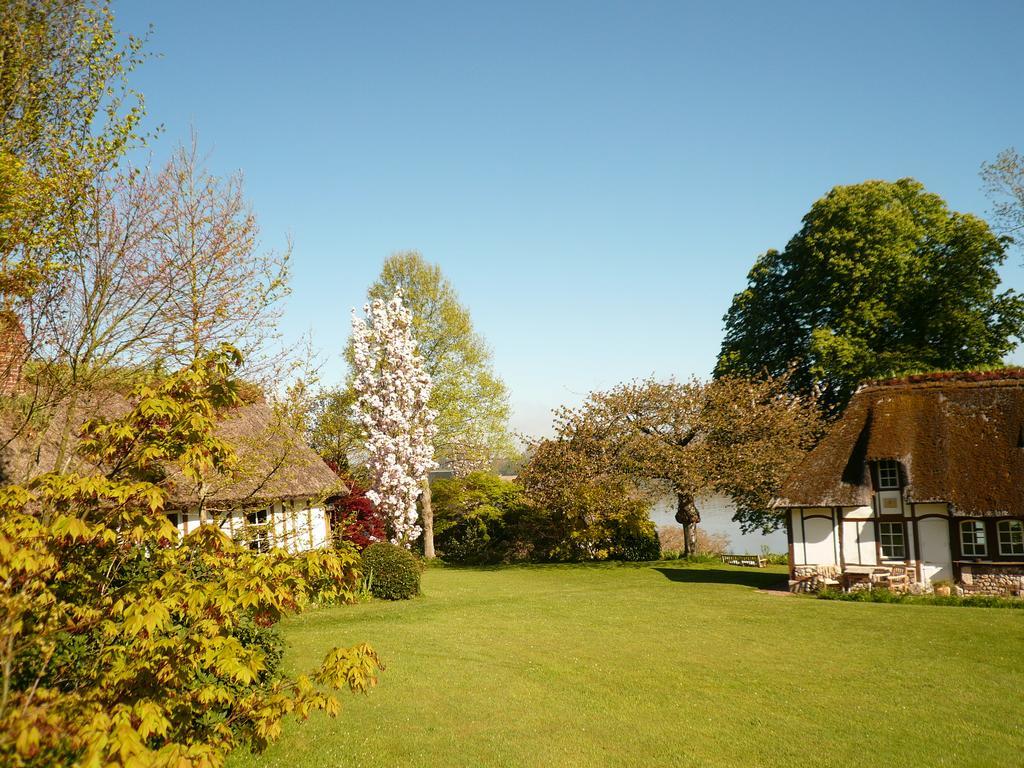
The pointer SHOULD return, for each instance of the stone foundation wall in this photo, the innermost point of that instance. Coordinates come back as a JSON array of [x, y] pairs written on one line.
[[1005, 580], [801, 582], [992, 579]]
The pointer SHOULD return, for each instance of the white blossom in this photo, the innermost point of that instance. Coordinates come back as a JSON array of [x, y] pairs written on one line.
[[392, 390]]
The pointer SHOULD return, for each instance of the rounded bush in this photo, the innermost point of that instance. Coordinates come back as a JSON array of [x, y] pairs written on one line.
[[393, 571]]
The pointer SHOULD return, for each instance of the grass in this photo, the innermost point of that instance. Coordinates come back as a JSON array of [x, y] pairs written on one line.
[[671, 664]]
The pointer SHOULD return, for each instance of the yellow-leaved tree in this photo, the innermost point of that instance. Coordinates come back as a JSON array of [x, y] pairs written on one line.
[[123, 644], [67, 115]]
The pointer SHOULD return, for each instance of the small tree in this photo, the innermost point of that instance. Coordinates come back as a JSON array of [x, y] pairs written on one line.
[[741, 437], [1004, 184], [393, 390], [354, 519], [225, 288]]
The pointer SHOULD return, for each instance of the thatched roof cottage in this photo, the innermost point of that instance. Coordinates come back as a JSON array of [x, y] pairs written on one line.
[[921, 479], [277, 497]]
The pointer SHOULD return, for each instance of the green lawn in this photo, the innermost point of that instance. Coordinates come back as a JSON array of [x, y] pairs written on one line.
[[635, 665]]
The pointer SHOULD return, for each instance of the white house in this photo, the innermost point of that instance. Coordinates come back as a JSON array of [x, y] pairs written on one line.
[[922, 477], [279, 495]]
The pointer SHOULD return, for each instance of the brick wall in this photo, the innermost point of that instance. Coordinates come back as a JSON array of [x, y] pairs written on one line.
[[13, 347]]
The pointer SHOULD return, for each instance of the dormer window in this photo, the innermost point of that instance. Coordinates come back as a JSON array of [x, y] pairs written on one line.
[[888, 475]]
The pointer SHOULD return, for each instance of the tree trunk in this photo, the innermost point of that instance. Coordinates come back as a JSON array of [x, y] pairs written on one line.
[[688, 517], [428, 521], [64, 448]]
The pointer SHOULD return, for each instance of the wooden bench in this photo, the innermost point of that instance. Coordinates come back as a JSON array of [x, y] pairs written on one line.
[[756, 561]]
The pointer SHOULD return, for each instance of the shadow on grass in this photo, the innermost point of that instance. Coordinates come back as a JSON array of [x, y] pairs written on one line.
[[591, 565], [745, 578], [680, 571]]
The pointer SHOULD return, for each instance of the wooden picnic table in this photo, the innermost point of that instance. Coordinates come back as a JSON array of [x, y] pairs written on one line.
[[866, 569]]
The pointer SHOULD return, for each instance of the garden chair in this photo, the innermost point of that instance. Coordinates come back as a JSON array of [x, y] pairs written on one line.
[[880, 577], [828, 577], [898, 579]]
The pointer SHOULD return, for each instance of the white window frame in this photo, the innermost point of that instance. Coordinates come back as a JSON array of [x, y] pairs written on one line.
[[979, 544], [888, 538], [258, 522], [1013, 544], [888, 475]]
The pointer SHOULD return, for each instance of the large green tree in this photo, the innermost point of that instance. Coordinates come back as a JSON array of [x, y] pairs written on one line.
[[882, 279], [470, 400]]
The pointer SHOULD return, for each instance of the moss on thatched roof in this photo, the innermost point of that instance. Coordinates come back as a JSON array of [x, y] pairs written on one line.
[[274, 462], [958, 438]]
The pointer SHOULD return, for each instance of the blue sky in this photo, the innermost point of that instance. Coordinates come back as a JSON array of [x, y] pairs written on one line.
[[595, 178]]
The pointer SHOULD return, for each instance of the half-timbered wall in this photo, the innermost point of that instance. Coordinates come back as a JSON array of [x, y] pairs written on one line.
[[296, 525], [859, 536]]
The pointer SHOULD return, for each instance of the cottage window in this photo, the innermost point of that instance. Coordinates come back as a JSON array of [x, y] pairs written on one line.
[[259, 540], [888, 475], [1011, 537], [890, 535], [972, 538]]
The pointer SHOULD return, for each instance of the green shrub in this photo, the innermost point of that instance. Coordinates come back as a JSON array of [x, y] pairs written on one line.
[[468, 541], [482, 519], [636, 543], [393, 572], [474, 517], [702, 558]]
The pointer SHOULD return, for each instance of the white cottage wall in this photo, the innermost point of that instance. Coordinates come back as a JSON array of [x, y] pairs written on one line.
[[320, 527], [297, 526], [821, 545]]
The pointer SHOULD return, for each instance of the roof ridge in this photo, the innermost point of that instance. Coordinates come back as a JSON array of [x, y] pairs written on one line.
[[1003, 377]]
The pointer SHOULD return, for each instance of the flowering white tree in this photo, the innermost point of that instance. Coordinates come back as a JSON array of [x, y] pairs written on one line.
[[392, 390]]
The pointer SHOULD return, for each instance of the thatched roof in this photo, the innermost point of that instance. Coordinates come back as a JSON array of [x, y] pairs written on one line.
[[274, 462], [958, 440]]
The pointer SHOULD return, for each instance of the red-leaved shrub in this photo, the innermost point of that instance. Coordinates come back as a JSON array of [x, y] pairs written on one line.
[[354, 518]]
